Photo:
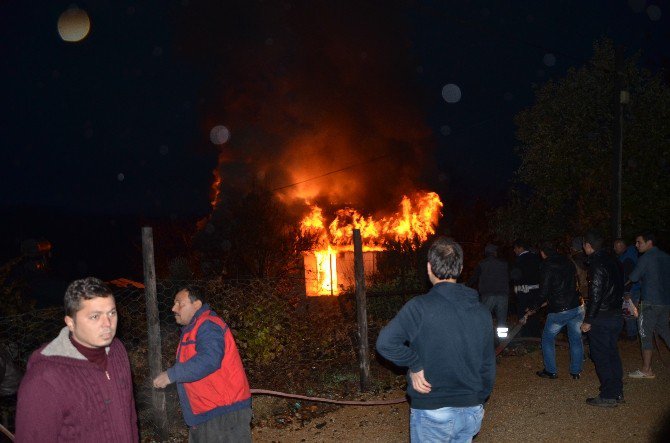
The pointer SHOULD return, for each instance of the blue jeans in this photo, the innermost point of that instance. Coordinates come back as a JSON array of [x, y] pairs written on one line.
[[445, 424], [573, 318]]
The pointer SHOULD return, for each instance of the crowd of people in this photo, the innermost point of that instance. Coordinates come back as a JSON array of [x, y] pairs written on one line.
[[78, 387], [592, 291]]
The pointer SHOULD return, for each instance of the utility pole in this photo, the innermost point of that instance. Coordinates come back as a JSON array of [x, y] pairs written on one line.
[[361, 312], [621, 97], [154, 332]]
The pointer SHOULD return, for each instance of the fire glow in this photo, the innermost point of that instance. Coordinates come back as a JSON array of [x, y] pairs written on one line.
[[415, 221]]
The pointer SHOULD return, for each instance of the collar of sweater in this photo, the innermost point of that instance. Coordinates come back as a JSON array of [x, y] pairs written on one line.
[[61, 346]]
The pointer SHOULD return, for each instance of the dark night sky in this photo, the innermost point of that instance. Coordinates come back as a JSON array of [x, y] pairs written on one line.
[[119, 123]]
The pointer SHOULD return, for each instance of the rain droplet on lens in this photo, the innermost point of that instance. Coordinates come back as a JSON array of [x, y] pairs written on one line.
[[120, 177], [654, 13], [445, 129], [451, 93], [219, 135], [549, 60]]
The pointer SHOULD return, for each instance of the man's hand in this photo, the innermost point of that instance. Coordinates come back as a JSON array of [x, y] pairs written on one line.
[[419, 382], [586, 327], [162, 380]]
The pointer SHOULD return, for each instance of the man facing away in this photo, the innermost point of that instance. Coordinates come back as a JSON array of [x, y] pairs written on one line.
[[78, 387], [627, 256], [603, 320], [558, 290], [212, 385], [653, 272], [492, 279], [445, 338], [525, 275]]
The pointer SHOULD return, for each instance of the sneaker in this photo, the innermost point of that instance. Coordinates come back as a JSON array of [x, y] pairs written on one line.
[[602, 402], [575, 376], [544, 374], [640, 374]]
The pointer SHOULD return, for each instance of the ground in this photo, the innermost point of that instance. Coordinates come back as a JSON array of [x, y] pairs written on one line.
[[523, 407]]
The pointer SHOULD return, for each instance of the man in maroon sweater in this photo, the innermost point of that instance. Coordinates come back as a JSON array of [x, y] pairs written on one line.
[[78, 387]]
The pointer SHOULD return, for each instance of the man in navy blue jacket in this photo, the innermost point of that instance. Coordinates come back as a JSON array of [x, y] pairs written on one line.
[[445, 338]]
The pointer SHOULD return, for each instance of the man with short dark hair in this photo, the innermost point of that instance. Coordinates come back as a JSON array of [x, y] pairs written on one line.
[[603, 320], [558, 290], [78, 387], [212, 385], [445, 339], [653, 272], [492, 279], [525, 275]]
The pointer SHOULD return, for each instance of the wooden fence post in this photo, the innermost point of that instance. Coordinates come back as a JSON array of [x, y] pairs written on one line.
[[154, 332], [361, 312]]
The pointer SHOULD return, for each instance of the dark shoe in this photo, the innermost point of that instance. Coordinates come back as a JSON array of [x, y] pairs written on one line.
[[602, 402], [544, 374], [620, 399], [575, 376]]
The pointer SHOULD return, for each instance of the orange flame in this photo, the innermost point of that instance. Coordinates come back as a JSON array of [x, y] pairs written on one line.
[[415, 221], [215, 188]]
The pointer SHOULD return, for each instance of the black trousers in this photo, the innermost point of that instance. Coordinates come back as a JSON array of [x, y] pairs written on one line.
[[605, 354], [233, 427]]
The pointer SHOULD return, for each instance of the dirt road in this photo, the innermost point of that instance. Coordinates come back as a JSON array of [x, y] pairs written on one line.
[[523, 407]]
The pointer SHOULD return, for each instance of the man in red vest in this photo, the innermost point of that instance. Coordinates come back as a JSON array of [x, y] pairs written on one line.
[[213, 388]]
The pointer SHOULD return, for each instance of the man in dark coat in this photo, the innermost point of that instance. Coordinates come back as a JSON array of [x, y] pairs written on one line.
[[492, 279], [603, 320], [445, 339], [558, 291], [525, 276]]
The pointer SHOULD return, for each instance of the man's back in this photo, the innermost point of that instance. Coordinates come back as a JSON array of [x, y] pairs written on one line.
[[606, 286], [558, 283], [493, 276], [451, 338], [526, 270]]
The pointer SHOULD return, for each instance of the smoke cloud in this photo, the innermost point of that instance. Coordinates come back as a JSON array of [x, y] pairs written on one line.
[[318, 98]]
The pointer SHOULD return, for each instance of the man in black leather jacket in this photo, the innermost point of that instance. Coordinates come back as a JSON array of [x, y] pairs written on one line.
[[558, 290], [603, 320]]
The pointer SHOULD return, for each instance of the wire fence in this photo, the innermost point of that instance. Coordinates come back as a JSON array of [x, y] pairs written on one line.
[[282, 334]]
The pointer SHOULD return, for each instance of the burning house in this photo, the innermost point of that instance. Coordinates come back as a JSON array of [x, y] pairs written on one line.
[[329, 268]]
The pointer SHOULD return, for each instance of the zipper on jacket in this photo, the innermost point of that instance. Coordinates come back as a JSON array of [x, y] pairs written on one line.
[[107, 374]]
